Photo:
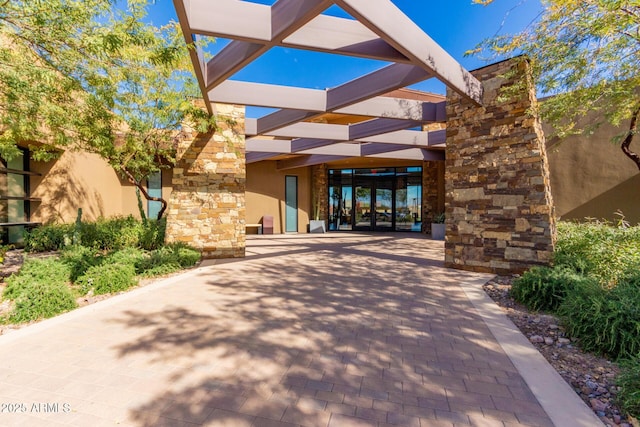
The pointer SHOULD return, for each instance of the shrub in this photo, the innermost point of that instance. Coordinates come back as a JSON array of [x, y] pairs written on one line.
[[598, 249], [606, 321], [544, 288], [167, 259], [130, 256], [112, 233], [152, 234], [79, 259], [107, 278], [39, 300], [39, 271], [629, 382], [51, 237]]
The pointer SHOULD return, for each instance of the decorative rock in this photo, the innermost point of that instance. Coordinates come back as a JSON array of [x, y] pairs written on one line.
[[553, 327], [563, 341], [598, 405], [536, 339], [548, 340]]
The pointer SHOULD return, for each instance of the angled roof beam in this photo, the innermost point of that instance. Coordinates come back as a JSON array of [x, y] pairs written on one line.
[[398, 108], [308, 160], [194, 54], [368, 86], [284, 18], [379, 126], [437, 137], [343, 36], [401, 137], [304, 130], [385, 19]]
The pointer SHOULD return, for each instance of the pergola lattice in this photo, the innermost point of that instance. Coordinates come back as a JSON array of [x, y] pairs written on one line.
[[380, 31]]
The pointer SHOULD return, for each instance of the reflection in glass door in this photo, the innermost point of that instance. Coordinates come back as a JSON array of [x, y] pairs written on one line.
[[383, 219], [363, 206]]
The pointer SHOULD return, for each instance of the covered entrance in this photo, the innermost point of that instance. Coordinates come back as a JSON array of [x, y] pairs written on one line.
[[380, 199]]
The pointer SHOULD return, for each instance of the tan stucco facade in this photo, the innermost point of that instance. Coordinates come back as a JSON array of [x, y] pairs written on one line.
[[591, 177], [83, 180]]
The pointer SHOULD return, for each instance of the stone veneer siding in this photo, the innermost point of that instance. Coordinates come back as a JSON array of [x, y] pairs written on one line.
[[320, 192], [499, 208], [432, 176], [207, 204]]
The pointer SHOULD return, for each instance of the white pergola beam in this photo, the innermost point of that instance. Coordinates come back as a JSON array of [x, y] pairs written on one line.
[[337, 149], [378, 126], [308, 160], [258, 157], [259, 145], [302, 144], [268, 95], [391, 24], [412, 154], [231, 19]]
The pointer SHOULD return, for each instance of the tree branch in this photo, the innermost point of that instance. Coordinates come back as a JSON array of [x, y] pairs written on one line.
[[144, 192], [633, 128]]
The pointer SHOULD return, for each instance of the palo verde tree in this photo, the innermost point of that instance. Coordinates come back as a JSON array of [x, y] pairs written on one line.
[[587, 54], [92, 75]]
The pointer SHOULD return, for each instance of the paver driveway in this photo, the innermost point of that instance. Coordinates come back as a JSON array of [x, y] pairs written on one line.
[[337, 330]]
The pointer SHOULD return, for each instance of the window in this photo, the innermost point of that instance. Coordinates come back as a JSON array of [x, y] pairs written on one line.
[[15, 200], [291, 201], [154, 188]]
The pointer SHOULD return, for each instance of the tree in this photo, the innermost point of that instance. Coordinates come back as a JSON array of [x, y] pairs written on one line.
[[92, 75], [587, 54]]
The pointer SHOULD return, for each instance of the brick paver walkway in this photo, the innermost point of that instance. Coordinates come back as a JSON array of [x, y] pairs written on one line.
[[338, 330]]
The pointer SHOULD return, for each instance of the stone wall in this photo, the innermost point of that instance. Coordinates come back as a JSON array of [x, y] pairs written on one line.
[[320, 192], [207, 204], [499, 208], [432, 177]]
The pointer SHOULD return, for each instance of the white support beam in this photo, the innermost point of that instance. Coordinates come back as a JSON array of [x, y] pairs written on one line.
[[268, 95], [337, 149], [381, 81], [304, 130], [391, 24], [412, 154], [230, 19], [372, 148], [258, 157], [401, 137], [259, 145], [308, 160], [301, 144], [378, 126]]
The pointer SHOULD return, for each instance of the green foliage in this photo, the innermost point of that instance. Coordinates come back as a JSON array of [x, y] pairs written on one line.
[[107, 278], [598, 249], [40, 290], [103, 234], [606, 321], [46, 270], [49, 237], [3, 251], [39, 300], [544, 288], [587, 54], [95, 75], [629, 382], [79, 259], [168, 259]]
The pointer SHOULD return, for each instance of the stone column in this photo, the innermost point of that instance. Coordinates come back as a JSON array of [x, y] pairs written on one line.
[[207, 204], [320, 192], [432, 175], [499, 208]]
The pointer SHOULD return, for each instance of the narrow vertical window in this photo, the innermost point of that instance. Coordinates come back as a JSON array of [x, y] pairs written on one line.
[[14, 197], [291, 201], [154, 188]]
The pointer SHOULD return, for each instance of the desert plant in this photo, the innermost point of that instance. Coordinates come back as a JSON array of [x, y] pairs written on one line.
[[39, 300], [50, 237], [79, 259], [3, 251], [439, 218], [629, 382], [167, 259], [606, 321], [545, 288], [44, 271], [107, 278]]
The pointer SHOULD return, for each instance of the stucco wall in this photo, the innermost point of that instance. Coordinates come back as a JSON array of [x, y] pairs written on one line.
[[266, 195], [591, 177]]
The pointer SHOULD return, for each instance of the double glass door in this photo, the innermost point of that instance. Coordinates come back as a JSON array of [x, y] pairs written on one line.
[[374, 205]]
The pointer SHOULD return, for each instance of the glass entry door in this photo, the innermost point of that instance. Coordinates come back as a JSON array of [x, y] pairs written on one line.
[[374, 204]]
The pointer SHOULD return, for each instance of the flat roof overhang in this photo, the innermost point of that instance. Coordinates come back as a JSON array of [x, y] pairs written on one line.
[[379, 117]]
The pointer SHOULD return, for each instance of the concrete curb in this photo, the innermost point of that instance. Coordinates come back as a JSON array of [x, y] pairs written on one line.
[[557, 398]]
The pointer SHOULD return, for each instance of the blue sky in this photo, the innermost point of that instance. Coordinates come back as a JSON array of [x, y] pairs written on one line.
[[457, 25]]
